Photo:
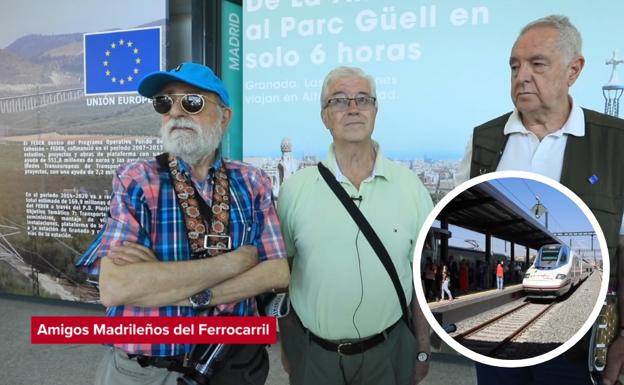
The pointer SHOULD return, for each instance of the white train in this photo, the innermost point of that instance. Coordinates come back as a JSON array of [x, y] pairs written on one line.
[[555, 271]]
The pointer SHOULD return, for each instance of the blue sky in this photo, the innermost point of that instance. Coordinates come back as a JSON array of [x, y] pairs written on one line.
[[564, 214], [24, 17]]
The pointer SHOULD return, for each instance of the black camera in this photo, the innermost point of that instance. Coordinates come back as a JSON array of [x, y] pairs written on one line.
[[203, 362]]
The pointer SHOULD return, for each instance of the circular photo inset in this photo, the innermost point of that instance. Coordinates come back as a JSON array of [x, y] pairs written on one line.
[[513, 269]]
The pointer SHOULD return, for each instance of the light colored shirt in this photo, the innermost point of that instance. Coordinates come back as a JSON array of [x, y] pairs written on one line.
[[545, 156], [525, 152], [337, 280]]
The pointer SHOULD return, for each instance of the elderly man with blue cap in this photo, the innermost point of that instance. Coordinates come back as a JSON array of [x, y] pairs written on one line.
[[188, 234]]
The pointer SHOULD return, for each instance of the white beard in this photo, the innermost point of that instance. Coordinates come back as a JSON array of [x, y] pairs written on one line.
[[191, 145]]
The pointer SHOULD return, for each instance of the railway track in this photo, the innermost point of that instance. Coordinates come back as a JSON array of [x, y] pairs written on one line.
[[492, 337]]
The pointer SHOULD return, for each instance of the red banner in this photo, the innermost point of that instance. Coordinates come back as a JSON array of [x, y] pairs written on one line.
[[138, 330]]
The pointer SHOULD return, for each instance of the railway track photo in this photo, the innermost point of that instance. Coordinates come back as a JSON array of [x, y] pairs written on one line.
[[494, 337]]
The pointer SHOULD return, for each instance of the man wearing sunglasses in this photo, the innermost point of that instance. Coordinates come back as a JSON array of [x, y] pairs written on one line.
[[188, 234], [350, 326]]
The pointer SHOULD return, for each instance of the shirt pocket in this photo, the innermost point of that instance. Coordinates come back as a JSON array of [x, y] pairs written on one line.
[[399, 243]]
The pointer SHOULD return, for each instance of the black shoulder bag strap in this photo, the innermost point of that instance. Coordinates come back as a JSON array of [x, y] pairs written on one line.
[[370, 235]]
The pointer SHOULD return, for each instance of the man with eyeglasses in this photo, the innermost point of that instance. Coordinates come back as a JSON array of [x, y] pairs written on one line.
[[188, 234], [348, 324]]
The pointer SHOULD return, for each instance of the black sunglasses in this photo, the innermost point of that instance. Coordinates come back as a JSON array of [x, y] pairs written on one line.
[[191, 103]]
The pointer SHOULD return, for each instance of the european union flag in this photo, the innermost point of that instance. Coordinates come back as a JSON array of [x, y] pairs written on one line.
[[115, 62]]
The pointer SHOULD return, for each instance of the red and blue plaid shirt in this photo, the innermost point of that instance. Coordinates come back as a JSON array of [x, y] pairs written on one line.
[[144, 210]]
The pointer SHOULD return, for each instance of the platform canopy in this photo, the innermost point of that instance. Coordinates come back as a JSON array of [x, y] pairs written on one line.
[[484, 209]]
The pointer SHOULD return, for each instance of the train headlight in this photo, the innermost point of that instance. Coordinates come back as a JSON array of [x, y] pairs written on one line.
[[560, 276]]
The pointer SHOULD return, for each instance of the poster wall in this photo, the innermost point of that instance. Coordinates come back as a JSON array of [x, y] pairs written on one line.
[[69, 115], [441, 68]]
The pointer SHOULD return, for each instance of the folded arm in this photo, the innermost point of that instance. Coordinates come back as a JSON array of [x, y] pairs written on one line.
[[131, 275], [265, 277]]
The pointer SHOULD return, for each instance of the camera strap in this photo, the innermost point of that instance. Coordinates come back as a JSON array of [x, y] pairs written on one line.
[[204, 242], [197, 213], [371, 237]]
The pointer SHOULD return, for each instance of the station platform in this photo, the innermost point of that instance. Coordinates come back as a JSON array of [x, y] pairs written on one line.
[[468, 305]]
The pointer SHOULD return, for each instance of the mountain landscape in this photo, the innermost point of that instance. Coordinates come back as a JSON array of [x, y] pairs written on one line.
[[16, 70], [39, 63]]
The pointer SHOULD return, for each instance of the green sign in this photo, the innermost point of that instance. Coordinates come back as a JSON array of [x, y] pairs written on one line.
[[232, 75]]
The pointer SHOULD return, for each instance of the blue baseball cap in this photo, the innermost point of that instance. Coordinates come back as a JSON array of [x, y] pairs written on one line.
[[197, 75]]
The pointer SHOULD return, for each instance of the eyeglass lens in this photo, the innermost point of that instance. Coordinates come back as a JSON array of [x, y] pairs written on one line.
[[191, 103], [343, 103]]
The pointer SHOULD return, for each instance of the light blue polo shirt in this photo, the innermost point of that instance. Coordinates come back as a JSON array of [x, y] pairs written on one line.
[[337, 279]]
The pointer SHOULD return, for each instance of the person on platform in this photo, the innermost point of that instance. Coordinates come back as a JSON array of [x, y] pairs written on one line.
[[550, 134], [188, 234], [446, 282], [454, 274], [429, 278], [500, 274], [464, 280], [348, 326]]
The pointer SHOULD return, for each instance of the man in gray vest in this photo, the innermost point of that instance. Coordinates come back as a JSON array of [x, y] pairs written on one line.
[[550, 134]]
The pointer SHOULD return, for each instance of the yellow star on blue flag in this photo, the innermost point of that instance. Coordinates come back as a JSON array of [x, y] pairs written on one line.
[[116, 62]]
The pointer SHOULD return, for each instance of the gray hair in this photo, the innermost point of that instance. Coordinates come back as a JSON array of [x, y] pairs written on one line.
[[570, 42], [345, 72]]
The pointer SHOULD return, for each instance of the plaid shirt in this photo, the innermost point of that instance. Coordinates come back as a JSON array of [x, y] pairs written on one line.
[[144, 210]]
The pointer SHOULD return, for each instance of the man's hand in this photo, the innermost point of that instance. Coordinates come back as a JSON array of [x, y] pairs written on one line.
[[615, 362], [423, 339], [249, 255], [131, 252], [420, 371]]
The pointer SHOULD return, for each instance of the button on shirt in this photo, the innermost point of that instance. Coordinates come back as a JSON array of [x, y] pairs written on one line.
[[144, 210]]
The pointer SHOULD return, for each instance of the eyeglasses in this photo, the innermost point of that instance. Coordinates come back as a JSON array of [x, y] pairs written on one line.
[[191, 103], [342, 103]]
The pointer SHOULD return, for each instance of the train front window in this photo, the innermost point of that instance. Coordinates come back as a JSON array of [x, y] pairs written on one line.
[[549, 255], [547, 258]]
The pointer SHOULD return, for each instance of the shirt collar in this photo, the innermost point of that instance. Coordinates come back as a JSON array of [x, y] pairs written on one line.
[[575, 125], [186, 168], [378, 170]]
